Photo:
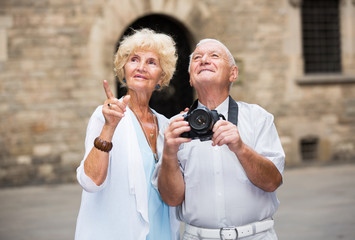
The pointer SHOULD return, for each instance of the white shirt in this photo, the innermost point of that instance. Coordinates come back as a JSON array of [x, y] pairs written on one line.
[[218, 192]]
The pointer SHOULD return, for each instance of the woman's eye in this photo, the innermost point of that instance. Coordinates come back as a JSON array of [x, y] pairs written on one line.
[[134, 59], [152, 62]]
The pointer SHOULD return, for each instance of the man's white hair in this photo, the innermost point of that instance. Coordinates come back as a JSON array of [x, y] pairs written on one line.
[[231, 59]]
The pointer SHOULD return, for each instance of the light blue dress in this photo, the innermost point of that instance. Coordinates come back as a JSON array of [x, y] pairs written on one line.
[[158, 211]]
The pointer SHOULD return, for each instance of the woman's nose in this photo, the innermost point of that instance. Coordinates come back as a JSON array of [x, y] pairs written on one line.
[[141, 66]]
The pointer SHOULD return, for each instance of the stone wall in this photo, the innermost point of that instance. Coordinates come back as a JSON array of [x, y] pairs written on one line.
[[45, 91], [55, 54]]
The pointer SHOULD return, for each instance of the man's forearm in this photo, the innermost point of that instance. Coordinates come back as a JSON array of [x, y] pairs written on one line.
[[260, 170], [170, 182]]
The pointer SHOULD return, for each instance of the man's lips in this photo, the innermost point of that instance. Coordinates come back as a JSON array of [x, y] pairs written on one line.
[[204, 70]]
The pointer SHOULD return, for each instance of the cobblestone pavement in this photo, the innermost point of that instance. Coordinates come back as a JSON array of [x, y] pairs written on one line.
[[317, 203]]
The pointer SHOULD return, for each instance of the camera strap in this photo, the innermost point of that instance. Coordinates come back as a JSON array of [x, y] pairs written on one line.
[[232, 110]]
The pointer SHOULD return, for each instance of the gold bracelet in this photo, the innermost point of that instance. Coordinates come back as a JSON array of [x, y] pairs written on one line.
[[102, 145]]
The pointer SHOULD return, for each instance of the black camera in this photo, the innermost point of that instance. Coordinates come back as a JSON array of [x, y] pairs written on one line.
[[201, 121]]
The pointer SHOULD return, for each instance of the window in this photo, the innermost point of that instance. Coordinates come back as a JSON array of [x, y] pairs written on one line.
[[309, 148], [321, 36]]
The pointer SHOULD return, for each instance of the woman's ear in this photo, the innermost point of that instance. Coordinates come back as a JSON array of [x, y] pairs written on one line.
[[159, 83], [161, 79]]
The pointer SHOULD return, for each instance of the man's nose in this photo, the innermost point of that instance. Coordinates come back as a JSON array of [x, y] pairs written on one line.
[[205, 59]]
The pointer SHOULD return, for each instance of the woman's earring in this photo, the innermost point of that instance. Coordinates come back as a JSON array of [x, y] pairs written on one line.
[[124, 80], [158, 86]]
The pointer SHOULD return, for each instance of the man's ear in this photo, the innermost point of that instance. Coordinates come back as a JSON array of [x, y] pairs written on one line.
[[234, 74]]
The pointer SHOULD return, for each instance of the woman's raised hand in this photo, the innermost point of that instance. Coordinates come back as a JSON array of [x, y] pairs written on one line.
[[113, 110]]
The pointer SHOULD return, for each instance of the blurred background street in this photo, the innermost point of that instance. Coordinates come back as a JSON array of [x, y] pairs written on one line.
[[317, 202]]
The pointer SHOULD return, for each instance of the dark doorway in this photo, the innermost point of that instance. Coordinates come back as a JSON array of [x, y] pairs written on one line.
[[179, 94]]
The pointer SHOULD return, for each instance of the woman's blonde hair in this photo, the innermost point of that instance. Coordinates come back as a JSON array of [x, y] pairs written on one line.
[[147, 40]]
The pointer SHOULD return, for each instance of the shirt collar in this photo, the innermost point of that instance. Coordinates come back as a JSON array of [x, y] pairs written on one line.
[[222, 108]]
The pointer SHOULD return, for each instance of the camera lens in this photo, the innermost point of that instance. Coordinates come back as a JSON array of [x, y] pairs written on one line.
[[200, 120]]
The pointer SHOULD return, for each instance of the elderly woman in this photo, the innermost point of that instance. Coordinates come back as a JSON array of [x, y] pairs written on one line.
[[124, 140]]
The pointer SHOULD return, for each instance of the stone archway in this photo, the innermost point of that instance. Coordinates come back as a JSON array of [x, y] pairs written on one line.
[[179, 94], [116, 17]]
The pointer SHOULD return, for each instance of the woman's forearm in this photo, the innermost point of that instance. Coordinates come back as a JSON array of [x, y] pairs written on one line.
[[96, 163]]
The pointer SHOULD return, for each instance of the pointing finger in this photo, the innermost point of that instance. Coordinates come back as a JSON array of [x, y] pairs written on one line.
[[108, 91]]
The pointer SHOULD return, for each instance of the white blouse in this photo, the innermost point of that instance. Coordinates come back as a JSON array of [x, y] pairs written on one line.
[[118, 209]]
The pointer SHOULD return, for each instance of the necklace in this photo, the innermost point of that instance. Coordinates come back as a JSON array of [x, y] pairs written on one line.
[[145, 134]]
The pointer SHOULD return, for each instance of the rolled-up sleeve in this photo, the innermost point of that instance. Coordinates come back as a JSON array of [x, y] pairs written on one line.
[[93, 130], [267, 141]]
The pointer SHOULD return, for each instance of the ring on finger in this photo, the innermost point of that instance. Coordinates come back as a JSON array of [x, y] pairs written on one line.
[[109, 105]]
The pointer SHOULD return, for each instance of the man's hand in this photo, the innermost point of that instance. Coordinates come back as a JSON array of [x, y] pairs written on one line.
[[185, 111], [171, 184], [226, 133], [260, 170], [172, 136]]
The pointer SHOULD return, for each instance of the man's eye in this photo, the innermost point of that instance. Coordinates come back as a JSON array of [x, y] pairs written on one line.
[[197, 57]]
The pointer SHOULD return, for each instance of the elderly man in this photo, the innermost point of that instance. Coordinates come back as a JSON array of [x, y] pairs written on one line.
[[223, 185]]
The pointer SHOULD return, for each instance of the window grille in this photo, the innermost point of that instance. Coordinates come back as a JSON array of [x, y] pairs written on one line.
[[309, 148], [321, 36]]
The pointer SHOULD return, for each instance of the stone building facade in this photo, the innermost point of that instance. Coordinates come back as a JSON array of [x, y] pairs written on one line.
[[54, 55]]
